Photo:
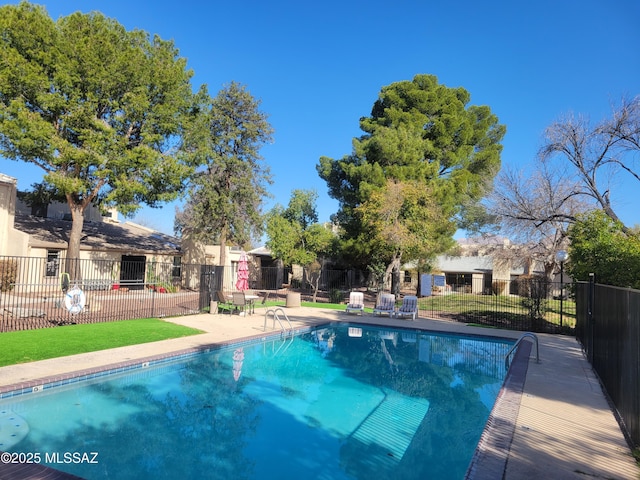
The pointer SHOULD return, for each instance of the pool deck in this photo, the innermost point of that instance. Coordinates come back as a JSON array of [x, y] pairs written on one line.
[[552, 419]]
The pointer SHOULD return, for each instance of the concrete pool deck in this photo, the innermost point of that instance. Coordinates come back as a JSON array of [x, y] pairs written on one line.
[[560, 426]]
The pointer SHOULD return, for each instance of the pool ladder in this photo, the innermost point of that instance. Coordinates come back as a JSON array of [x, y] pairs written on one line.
[[275, 312], [515, 345]]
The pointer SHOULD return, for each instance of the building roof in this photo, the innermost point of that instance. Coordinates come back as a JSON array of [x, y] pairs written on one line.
[[7, 179], [124, 237], [479, 264], [464, 264], [261, 251]]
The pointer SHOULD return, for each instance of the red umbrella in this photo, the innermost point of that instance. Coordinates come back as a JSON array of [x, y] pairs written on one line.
[[242, 283], [238, 358]]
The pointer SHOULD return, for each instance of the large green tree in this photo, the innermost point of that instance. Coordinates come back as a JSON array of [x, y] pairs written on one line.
[[97, 107], [602, 246], [403, 219], [293, 234], [419, 133], [296, 237], [229, 186]]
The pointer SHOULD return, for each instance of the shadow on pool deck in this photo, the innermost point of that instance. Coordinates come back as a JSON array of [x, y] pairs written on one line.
[[556, 423]]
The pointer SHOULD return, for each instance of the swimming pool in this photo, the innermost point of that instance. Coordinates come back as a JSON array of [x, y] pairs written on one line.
[[340, 402]]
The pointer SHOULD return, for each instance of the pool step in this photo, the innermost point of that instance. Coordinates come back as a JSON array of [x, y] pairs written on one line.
[[388, 431], [13, 428]]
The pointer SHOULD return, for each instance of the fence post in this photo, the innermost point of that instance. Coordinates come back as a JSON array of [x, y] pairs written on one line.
[[153, 302], [590, 327]]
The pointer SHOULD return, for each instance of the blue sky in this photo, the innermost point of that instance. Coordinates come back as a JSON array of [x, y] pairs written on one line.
[[318, 67]]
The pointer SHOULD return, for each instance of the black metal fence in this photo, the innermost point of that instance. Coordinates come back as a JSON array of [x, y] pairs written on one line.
[[526, 304], [547, 310], [608, 326], [36, 293], [323, 285]]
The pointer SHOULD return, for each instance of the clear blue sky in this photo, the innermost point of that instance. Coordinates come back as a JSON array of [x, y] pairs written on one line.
[[318, 67]]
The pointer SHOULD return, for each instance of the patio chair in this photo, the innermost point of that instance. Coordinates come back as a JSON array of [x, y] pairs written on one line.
[[240, 303], [386, 305], [356, 303], [409, 307], [223, 302]]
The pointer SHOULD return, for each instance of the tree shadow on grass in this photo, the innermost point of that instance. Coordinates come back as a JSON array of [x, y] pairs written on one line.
[[507, 321]]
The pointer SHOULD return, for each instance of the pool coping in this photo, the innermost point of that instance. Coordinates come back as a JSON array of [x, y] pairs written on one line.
[[492, 452], [81, 375]]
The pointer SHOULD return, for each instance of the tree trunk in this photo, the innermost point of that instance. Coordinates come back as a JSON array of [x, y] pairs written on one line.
[[549, 270], [72, 264], [223, 247], [279, 274], [315, 283], [388, 275], [223, 258], [394, 270]]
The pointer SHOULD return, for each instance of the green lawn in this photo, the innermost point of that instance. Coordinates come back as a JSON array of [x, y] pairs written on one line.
[[506, 305], [31, 345]]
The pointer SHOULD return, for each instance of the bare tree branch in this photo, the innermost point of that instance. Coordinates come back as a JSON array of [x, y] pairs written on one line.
[[535, 211], [603, 151]]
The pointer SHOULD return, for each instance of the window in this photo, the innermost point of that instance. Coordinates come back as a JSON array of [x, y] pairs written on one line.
[[53, 263], [176, 271], [407, 276]]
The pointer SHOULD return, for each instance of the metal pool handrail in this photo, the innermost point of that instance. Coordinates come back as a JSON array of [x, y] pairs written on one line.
[[522, 337], [275, 312]]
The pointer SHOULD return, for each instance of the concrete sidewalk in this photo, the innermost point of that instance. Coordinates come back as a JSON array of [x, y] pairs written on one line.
[[559, 427]]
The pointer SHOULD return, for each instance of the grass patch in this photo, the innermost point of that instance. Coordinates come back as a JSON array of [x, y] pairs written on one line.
[[32, 345], [507, 306]]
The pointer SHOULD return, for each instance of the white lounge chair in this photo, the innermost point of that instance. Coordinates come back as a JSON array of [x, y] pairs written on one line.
[[356, 303], [386, 305], [409, 307]]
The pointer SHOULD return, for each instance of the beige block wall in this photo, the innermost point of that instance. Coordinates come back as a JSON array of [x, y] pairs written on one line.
[[7, 208], [477, 283]]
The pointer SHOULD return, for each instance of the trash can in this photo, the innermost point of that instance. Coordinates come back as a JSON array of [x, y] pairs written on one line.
[[293, 299]]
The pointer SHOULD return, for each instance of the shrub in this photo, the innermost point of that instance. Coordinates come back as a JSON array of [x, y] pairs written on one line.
[[335, 295], [500, 287], [8, 274], [600, 245], [534, 290]]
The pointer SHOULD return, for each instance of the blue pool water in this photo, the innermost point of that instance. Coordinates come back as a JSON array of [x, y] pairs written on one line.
[[341, 402]]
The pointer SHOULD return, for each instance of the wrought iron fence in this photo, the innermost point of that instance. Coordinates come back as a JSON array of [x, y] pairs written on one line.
[[527, 304], [35, 293], [313, 285], [535, 305], [608, 326]]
